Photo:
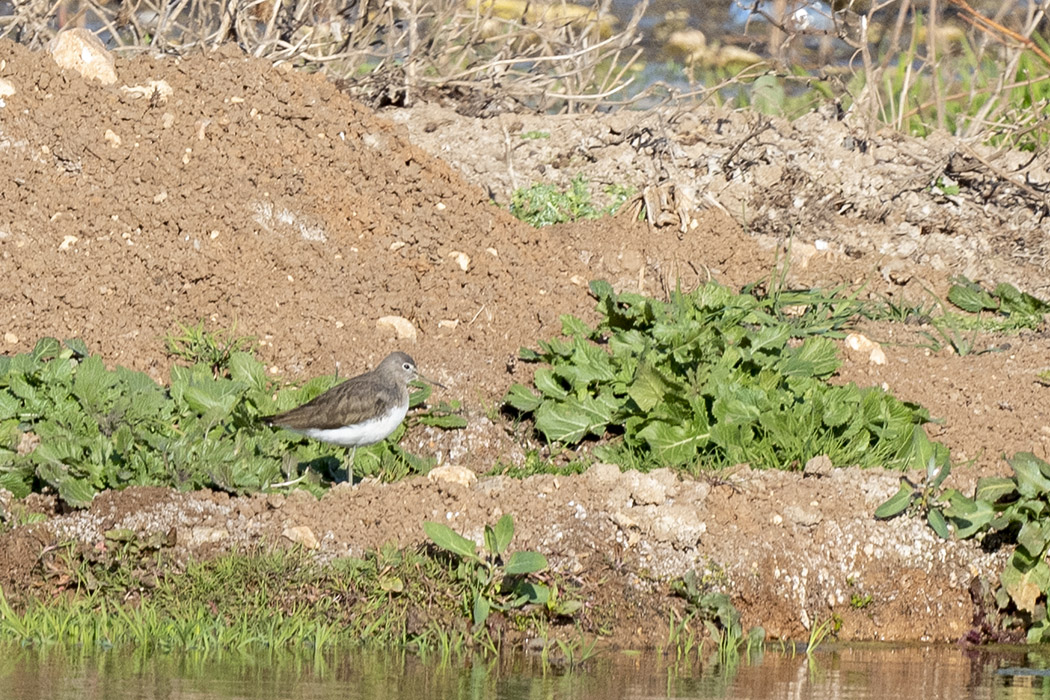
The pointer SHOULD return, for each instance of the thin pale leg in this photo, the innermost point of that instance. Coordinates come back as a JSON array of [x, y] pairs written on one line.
[[350, 466]]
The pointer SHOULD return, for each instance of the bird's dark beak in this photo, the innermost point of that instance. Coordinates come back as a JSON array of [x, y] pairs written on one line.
[[428, 380]]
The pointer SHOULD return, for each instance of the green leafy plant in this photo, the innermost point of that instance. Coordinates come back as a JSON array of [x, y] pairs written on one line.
[[543, 204], [712, 378], [1015, 510], [196, 345], [819, 632], [1002, 309], [926, 498], [1005, 301], [447, 415], [716, 611], [70, 425], [494, 581]]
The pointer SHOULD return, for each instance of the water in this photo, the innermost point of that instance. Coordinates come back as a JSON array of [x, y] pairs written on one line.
[[860, 672]]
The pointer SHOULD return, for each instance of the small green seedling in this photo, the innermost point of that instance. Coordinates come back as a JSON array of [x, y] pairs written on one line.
[[494, 582]]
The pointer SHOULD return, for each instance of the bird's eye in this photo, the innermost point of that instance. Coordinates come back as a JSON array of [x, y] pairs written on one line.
[[407, 367]]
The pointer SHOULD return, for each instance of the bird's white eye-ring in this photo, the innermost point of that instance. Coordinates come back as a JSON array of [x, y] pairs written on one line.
[[407, 366]]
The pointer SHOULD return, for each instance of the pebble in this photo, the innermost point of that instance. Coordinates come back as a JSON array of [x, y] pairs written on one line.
[[400, 325], [301, 534], [80, 50]]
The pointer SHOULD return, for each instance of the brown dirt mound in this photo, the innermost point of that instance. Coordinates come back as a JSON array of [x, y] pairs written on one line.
[[264, 198]]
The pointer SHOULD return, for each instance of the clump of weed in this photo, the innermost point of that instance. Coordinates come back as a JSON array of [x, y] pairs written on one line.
[[543, 205], [90, 428], [714, 378]]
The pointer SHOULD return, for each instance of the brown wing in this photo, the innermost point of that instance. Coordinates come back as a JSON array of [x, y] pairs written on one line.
[[353, 401]]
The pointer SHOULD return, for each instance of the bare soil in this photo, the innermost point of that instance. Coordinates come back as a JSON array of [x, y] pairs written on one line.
[[265, 199]]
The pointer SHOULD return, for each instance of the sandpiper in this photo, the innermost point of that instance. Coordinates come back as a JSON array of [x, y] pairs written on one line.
[[362, 410]]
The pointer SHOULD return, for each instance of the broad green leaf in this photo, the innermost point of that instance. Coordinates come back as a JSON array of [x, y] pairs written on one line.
[[27, 393], [549, 384], [123, 439], [93, 383], [1015, 301], [56, 453], [525, 563], [536, 594], [78, 346], [445, 422], [649, 387], [1030, 479], [522, 398], [897, 503], [504, 533], [450, 540], [1044, 467], [17, 480], [674, 444], [924, 453], [569, 421], [213, 398], [588, 364], [1034, 537], [143, 399], [816, 357], [10, 435], [971, 297], [247, 370], [769, 341], [968, 516], [937, 522], [740, 405], [46, 349], [600, 289], [10, 407], [557, 348], [76, 492], [481, 610], [419, 393], [570, 326], [838, 408], [1026, 585], [993, 488]]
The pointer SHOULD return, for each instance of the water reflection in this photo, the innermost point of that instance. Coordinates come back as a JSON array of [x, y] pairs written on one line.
[[856, 671]]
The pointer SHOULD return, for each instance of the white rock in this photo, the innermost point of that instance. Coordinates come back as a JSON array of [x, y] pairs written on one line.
[[80, 50], [461, 258], [679, 525], [160, 88], [454, 474], [647, 490], [205, 535], [301, 534], [400, 325], [860, 343]]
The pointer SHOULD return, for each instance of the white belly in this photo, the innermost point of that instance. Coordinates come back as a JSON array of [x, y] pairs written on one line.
[[367, 433]]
